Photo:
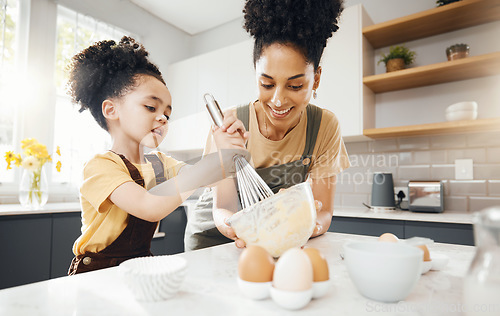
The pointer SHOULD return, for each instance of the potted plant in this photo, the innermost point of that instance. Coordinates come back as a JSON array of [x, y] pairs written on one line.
[[398, 58], [440, 3]]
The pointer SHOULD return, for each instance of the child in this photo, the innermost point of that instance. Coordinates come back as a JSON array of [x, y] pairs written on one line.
[[127, 96]]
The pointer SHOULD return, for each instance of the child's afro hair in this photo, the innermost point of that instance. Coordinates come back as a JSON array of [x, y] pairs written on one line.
[[107, 70]]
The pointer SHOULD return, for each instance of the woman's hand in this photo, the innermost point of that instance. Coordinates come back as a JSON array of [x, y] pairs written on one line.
[[318, 227], [229, 232]]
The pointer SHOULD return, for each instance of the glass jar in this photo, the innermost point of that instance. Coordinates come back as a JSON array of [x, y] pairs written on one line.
[[33, 189], [482, 281]]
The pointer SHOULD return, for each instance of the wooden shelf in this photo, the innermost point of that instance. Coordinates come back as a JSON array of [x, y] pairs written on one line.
[[448, 71], [431, 22], [455, 127]]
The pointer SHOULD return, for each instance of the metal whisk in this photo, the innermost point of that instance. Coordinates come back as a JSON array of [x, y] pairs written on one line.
[[252, 188]]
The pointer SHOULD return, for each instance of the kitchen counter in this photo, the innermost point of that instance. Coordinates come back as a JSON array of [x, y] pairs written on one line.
[[49, 208], [210, 288], [445, 217]]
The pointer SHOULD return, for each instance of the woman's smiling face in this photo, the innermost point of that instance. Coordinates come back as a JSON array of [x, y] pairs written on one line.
[[285, 83]]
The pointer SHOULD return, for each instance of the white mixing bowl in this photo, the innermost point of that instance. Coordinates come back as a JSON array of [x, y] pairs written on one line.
[[382, 271]]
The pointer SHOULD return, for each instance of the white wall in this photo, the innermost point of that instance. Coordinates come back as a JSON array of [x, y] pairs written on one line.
[[165, 43], [411, 106], [379, 10]]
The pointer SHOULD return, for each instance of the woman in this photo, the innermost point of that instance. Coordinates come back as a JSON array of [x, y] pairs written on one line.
[[291, 141]]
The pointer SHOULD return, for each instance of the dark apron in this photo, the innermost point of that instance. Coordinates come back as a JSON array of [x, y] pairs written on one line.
[[276, 177], [133, 242]]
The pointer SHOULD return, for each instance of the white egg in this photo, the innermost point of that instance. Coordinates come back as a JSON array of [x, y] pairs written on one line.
[[293, 271]]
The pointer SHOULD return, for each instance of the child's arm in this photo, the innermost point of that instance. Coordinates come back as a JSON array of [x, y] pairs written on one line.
[[165, 198], [225, 200]]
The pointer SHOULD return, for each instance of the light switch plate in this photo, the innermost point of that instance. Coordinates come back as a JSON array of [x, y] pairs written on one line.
[[464, 169]]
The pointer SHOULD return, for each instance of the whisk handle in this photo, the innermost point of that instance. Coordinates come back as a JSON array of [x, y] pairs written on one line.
[[214, 109]]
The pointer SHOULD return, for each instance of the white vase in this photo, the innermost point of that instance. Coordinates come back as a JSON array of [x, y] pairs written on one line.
[[33, 189]]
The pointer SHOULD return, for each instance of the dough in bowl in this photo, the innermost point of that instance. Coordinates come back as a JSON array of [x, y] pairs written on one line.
[[280, 222]]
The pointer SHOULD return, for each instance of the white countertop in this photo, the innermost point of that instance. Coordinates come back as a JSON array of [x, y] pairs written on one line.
[[210, 288], [17, 209], [361, 212], [445, 217]]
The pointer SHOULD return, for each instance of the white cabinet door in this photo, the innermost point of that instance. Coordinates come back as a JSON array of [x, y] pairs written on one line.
[[212, 73], [182, 83], [341, 87], [241, 82]]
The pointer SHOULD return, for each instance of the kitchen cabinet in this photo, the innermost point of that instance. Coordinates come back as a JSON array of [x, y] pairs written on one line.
[[345, 61], [39, 247], [452, 233], [173, 226], [25, 248], [451, 17], [182, 84], [226, 73], [65, 230]]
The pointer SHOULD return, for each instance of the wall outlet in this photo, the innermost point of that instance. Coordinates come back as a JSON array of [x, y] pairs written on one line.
[[464, 169], [405, 191]]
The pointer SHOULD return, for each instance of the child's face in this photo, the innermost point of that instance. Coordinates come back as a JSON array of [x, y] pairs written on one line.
[[144, 111]]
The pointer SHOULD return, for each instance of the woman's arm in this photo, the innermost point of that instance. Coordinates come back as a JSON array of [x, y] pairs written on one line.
[[323, 191]]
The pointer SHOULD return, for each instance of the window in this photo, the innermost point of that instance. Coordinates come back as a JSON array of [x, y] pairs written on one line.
[[76, 133], [9, 17]]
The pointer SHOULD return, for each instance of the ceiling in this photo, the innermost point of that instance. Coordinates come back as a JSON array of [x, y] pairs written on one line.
[[194, 16]]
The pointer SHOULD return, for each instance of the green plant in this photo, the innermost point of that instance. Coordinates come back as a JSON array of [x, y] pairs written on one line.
[[399, 52], [445, 2]]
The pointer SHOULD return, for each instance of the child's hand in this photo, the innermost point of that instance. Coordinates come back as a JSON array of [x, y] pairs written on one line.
[[231, 134]]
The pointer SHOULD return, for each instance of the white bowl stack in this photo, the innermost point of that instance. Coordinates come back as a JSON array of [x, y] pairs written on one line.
[[466, 110], [154, 278]]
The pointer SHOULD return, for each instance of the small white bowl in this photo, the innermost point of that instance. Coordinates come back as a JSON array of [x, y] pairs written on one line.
[[154, 278], [291, 300], [383, 271], [254, 290], [461, 115], [439, 261], [320, 288], [426, 266], [462, 106]]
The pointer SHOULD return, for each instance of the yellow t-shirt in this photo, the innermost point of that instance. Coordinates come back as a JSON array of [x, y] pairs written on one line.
[[102, 221], [329, 155]]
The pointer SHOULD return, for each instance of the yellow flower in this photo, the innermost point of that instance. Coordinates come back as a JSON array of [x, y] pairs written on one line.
[[17, 160], [28, 142], [58, 166], [35, 155], [9, 156], [31, 163]]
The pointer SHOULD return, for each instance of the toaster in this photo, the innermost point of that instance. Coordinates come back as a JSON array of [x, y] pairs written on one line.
[[425, 196]]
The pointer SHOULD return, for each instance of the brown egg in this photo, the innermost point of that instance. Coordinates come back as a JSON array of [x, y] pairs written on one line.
[[319, 263], [388, 237], [255, 265], [427, 255]]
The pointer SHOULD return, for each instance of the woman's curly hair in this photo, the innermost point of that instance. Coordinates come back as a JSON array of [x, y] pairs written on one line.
[[305, 24], [107, 70]]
